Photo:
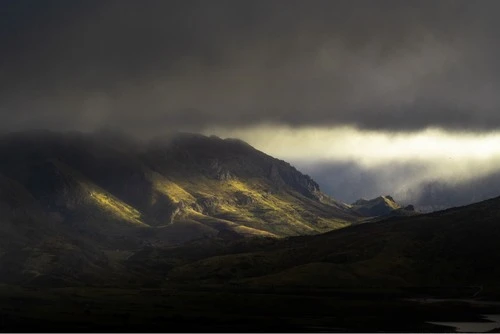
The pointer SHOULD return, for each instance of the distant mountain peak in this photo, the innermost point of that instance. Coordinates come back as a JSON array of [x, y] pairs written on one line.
[[388, 197], [379, 206]]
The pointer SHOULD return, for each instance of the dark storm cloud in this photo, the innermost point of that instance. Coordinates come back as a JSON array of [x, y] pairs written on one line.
[[146, 66]]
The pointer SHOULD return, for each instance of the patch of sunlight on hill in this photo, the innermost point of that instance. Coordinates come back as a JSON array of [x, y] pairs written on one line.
[[328, 224], [116, 207], [172, 190], [195, 215], [263, 209], [280, 209], [391, 204], [251, 231], [101, 198], [280, 214], [211, 221]]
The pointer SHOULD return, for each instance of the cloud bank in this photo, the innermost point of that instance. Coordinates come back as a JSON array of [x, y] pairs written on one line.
[[150, 66]]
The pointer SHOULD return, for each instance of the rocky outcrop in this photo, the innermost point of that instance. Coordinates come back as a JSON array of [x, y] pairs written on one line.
[[164, 211], [209, 205], [218, 171], [243, 199], [283, 174]]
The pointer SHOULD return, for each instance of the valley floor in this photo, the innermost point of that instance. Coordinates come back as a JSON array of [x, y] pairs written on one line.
[[174, 308]]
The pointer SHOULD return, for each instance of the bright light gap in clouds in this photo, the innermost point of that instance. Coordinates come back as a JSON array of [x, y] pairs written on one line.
[[435, 154], [367, 147]]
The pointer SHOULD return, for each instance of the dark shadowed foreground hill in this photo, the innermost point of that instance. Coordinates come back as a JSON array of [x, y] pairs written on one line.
[[74, 207], [456, 247]]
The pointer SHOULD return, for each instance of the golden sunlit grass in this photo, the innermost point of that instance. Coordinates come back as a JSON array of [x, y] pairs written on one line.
[[278, 208], [244, 230], [116, 207], [211, 221], [264, 213], [263, 210], [171, 190], [102, 199]]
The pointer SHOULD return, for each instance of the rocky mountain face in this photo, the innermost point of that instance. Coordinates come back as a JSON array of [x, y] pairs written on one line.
[[98, 199]]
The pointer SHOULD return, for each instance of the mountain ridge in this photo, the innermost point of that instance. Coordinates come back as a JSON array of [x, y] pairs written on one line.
[[97, 197]]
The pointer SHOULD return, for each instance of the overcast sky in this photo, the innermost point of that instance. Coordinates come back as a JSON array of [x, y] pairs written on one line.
[[350, 71]]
